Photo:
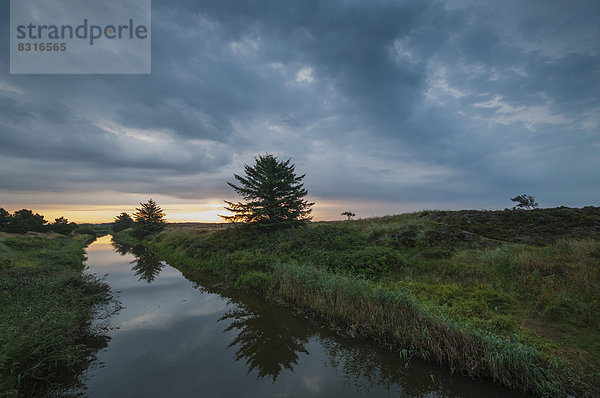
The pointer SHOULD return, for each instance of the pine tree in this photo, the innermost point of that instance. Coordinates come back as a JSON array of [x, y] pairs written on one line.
[[25, 220], [122, 221], [149, 219], [63, 226], [273, 194]]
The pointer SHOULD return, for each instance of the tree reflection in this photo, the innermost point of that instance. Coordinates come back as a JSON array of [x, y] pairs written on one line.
[[147, 265], [72, 383], [121, 248], [271, 338], [362, 366], [268, 339], [366, 366]]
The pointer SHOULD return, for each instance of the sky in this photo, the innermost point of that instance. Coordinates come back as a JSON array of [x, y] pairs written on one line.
[[387, 106]]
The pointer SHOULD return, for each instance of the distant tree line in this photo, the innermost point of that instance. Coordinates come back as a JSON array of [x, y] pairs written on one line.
[[24, 220]]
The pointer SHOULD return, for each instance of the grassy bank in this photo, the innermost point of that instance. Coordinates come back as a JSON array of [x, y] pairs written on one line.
[[46, 304], [511, 296]]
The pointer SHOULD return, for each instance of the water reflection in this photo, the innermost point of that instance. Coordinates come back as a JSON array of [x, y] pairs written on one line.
[[271, 340], [365, 366], [72, 383], [120, 247], [269, 343], [147, 265]]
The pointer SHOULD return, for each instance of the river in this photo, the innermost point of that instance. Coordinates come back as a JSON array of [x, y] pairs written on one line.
[[181, 338]]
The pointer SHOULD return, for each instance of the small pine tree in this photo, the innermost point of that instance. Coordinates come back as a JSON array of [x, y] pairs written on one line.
[[122, 221], [149, 219], [62, 226], [273, 193]]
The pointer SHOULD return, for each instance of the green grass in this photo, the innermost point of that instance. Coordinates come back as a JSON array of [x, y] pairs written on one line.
[[46, 304], [511, 296]]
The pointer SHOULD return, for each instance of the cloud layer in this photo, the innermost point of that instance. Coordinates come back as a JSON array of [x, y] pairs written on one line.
[[446, 104]]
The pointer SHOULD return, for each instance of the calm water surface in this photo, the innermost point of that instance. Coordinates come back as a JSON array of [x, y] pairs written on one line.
[[182, 338]]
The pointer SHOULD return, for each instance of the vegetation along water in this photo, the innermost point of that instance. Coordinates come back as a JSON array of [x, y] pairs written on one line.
[[510, 296], [189, 335], [46, 307]]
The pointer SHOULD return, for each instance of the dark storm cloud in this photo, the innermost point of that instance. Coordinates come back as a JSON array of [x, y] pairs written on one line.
[[462, 102]]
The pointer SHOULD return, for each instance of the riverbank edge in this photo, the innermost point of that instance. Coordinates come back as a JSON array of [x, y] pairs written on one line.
[[49, 303], [395, 319]]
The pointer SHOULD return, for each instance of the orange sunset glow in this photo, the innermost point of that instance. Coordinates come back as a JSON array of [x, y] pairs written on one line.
[[176, 211]]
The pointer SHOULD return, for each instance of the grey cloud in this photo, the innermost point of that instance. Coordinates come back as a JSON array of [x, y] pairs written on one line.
[[483, 101]]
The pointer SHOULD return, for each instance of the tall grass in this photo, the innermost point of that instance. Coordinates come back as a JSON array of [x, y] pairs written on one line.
[[46, 303], [395, 318]]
